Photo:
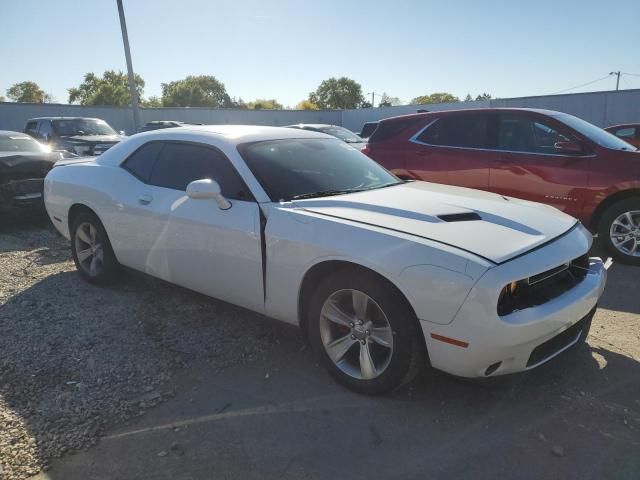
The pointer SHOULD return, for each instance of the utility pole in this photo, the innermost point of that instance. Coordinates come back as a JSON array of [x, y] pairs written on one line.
[[127, 54], [617, 74], [373, 99]]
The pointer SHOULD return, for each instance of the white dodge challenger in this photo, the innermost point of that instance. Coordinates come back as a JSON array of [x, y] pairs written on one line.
[[382, 275]]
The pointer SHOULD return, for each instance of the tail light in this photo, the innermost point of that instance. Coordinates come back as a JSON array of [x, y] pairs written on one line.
[[366, 150]]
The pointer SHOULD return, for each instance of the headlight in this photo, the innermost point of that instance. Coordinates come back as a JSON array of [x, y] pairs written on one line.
[[542, 287]]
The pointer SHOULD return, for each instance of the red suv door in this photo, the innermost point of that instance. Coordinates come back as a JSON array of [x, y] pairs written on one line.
[[527, 164], [451, 149]]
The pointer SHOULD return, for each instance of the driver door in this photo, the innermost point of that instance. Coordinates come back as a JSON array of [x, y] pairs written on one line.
[[193, 243]]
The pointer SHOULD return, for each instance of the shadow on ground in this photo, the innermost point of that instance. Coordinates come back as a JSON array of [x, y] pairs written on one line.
[[246, 399]]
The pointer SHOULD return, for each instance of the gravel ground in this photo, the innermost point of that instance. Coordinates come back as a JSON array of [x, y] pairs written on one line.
[[76, 359]]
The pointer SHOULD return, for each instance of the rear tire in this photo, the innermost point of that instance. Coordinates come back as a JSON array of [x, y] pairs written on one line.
[[91, 250], [619, 231], [373, 343]]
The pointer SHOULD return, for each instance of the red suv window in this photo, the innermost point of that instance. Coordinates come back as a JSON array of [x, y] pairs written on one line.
[[466, 131]]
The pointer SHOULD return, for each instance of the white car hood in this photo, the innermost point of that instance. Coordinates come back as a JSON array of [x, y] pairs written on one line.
[[507, 227]]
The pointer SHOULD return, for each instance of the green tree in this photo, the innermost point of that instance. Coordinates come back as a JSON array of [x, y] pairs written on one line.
[[435, 98], [264, 104], [196, 91], [307, 105], [338, 93], [2, 99], [28, 92], [388, 101], [110, 89], [238, 104], [484, 96], [468, 98], [151, 102]]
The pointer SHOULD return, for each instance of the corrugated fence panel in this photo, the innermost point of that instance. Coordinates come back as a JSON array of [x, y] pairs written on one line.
[[600, 108], [14, 116]]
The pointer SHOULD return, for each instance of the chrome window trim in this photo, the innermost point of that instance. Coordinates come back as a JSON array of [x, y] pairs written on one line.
[[414, 139]]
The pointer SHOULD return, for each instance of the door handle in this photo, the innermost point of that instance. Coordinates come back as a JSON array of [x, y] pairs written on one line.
[[145, 199]]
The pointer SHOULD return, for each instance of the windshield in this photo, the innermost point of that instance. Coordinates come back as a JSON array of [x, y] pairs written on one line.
[[304, 167], [82, 126], [341, 133], [19, 143], [598, 135]]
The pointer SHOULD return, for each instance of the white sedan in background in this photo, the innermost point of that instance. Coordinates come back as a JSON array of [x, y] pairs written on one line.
[[382, 275]]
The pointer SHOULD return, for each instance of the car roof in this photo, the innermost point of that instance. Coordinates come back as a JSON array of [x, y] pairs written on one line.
[[628, 125], [11, 133], [440, 113], [312, 125], [232, 134], [63, 118]]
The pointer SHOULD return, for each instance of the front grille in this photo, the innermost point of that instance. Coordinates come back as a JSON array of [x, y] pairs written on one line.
[[556, 344], [101, 148], [543, 287]]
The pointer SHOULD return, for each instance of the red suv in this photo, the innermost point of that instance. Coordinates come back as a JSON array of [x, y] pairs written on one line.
[[538, 155]]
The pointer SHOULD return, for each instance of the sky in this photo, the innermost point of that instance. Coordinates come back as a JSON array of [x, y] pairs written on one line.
[[283, 49]]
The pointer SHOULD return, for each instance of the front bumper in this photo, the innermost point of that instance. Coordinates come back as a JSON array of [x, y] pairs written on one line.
[[524, 339], [25, 193]]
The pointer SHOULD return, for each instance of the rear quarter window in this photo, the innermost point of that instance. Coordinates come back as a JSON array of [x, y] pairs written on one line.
[[390, 129], [141, 162]]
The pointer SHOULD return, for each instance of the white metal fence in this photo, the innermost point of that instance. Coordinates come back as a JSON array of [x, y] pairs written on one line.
[[599, 108]]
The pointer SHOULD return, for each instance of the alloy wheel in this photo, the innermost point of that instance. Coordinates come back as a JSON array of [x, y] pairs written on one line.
[[89, 249], [625, 233], [356, 334]]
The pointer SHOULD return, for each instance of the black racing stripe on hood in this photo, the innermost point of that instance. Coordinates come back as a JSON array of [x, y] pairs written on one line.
[[575, 225], [403, 232]]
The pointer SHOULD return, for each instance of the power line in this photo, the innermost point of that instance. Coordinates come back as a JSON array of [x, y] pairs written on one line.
[[582, 85], [632, 74]]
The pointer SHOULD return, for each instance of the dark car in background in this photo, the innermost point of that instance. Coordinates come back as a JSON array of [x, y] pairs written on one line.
[[23, 165], [160, 124], [538, 155], [342, 133], [629, 132], [78, 135], [368, 129]]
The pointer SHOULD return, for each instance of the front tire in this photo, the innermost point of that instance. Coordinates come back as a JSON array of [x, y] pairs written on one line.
[[365, 333], [619, 231], [91, 250]]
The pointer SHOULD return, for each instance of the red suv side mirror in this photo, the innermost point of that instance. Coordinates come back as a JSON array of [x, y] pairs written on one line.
[[568, 147]]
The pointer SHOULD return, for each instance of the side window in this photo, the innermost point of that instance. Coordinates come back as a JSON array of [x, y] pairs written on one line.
[[45, 129], [466, 131], [519, 133], [31, 128], [140, 163], [625, 133], [179, 164]]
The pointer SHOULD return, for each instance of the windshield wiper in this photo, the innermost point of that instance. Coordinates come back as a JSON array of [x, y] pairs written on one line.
[[328, 193], [325, 193]]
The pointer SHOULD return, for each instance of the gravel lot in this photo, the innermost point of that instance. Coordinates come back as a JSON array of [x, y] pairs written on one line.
[[76, 359]]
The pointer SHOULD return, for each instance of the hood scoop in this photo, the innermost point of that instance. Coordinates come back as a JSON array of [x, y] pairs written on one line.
[[460, 217]]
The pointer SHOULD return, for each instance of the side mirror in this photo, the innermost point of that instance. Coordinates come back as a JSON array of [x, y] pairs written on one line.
[[123, 133], [208, 189], [567, 147]]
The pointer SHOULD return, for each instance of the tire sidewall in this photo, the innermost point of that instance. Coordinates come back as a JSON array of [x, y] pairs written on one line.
[[109, 264], [604, 228], [400, 317]]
